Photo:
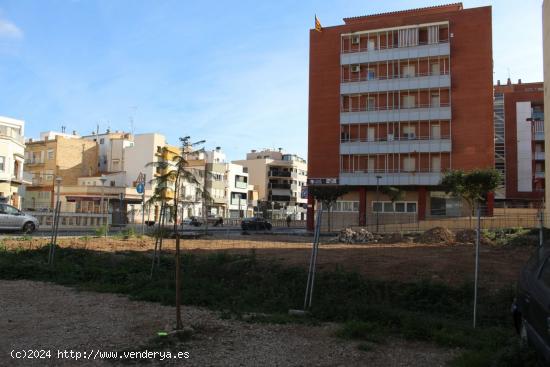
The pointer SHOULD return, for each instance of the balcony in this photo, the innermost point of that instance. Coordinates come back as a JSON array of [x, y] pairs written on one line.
[[34, 161], [361, 56], [538, 130], [241, 185], [390, 178], [420, 144], [420, 81], [390, 114], [279, 174], [7, 132], [279, 186], [539, 156]]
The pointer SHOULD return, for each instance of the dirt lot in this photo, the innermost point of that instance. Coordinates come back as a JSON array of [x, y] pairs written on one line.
[[44, 316], [453, 264]]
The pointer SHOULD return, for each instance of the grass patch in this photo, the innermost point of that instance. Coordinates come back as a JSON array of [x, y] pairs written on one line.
[[243, 285]]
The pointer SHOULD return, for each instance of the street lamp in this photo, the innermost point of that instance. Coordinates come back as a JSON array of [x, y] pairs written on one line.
[[378, 200]]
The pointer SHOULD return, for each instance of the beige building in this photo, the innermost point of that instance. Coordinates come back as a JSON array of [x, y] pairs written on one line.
[[12, 150], [279, 179], [67, 157]]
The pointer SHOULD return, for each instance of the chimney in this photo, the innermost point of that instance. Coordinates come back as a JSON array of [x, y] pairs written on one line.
[[253, 151], [508, 82], [498, 82], [280, 150], [519, 81], [74, 132]]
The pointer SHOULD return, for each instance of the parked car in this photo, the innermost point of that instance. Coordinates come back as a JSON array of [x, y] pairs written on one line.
[[531, 308], [255, 223], [12, 218], [196, 221]]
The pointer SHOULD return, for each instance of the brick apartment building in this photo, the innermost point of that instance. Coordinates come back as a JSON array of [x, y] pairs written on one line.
[[519, 142], [396, 99]]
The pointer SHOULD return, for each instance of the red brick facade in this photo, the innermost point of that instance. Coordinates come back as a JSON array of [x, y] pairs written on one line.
[[470, 94]]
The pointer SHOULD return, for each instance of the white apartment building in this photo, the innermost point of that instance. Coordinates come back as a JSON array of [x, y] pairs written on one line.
[[279, 179], [12, 157]]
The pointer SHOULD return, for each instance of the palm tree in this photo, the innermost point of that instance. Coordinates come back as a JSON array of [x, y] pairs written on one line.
[[176, 171]]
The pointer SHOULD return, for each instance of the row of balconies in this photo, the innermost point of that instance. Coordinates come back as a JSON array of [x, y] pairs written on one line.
[[395, 114], [362, 56], [399, 83], [390, 177], [404, 145]]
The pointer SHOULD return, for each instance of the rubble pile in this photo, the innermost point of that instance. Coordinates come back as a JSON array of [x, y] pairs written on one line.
[[437, 235]]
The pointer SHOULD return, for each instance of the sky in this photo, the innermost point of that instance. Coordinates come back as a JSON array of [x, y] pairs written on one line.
[[234, 73]]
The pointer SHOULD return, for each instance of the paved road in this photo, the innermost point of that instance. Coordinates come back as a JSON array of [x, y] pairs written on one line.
[[226, 230]]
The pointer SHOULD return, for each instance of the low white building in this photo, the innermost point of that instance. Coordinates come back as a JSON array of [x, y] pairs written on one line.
[[12, 158]]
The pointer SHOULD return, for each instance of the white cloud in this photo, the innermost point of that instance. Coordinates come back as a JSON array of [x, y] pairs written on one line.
[[9, 30]]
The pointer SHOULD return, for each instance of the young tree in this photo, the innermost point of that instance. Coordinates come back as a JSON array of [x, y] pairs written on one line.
[[328, 194], [471, 186], [393, 192], [174, 172]]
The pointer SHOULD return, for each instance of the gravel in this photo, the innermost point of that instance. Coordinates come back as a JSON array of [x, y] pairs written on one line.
[[37, 315]]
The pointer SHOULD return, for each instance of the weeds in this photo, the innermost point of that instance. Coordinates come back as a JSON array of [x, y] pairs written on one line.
[[241, 284], [101, 231]]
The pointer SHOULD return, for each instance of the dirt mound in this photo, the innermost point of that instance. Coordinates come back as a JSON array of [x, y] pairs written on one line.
[[469, 236], [437, 235], [348, 235], [393, 238]]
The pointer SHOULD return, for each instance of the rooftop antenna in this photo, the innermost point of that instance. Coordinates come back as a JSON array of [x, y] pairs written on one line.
[[133, 111]]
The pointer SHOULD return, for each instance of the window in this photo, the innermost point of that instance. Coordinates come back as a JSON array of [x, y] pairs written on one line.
[[370, 134], [370, 45], [102, 141], [371, 104], [394, 207], [346, 206], [408, 102], [2, 163], [409, 132], [116, 163], [434, 68], [408, 71], [435, 100], [50, 154], [371, 74], [436, 132], [409, 164], [370, 164], [436, 164]]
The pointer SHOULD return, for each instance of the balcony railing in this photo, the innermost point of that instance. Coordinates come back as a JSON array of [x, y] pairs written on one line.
[[394, 108], [358, 48], [365, 78], [539, 174], [241, 185], [34, 161], [394, 138], [539, 156], [391, 177], [279, 174], [279, 186]]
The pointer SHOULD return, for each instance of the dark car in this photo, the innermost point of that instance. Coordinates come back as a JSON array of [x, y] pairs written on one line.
[[255, 223], [531, 308]]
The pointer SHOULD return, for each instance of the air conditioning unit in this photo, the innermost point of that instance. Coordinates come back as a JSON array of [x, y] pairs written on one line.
[[355, 40], [355, 68]]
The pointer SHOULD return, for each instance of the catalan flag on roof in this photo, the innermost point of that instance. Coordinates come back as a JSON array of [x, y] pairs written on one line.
[[318, 27]]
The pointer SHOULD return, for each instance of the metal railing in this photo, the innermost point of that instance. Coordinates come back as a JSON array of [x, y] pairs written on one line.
[[390, 171], [393, 108], [390, 77], [394, 138], [358, 47]]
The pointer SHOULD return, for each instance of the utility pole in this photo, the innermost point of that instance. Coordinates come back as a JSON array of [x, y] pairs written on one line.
[[378, 200]]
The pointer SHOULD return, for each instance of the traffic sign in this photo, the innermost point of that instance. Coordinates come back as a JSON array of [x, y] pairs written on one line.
[[140, 188]]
